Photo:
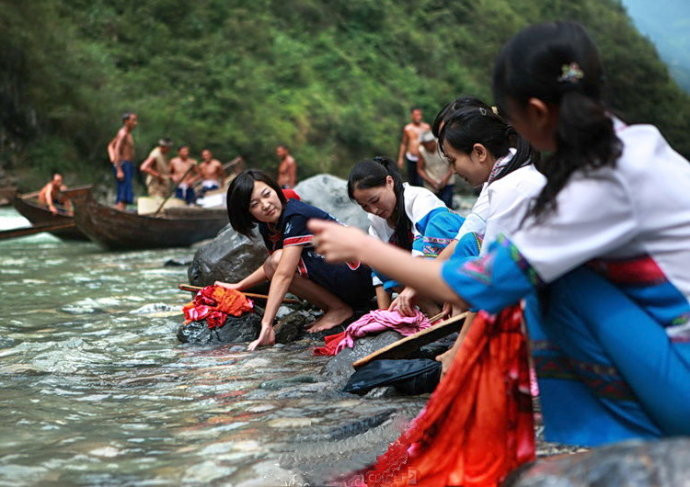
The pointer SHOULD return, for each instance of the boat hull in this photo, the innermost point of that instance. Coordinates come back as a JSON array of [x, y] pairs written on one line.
[[27, 205], [120, 230]]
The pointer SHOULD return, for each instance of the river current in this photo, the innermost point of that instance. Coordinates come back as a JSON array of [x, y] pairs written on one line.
[[97, 390]]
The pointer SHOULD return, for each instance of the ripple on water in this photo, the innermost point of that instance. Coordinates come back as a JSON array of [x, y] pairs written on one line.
[[97, 390]]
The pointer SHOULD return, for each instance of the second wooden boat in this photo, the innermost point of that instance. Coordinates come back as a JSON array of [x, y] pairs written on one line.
[[28, 206]]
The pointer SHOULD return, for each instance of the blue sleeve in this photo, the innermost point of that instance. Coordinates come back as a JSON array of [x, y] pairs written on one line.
[[468, 246], [498, 279], [437, 229]]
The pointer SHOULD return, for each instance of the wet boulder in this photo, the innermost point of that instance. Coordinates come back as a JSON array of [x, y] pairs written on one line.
[[229, 257], [243, 328], [330, 194], [664, 463], [339, 368]]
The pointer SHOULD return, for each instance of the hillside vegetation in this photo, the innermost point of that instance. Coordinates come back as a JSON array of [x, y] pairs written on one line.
[[332, 80]]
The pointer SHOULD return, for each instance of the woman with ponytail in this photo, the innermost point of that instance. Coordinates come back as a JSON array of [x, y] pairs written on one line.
[[605, 247], [409, 217]]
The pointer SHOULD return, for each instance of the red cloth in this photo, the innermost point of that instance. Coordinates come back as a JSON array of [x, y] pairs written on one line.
[[477, 425], [372, 323], [291, 194], [332, 342], [214, 304]]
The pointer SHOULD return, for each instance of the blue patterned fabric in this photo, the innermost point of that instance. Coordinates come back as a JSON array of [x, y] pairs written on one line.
[[606, 367]]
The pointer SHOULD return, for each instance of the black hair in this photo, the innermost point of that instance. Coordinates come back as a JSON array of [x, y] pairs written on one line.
[[471, 125], [182, 146], [239, 195], [372, 173], [455, 105], [557, 63]]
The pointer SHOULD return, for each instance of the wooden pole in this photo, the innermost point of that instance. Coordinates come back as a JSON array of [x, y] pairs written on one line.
[[172, 191], [189, 287], [24, 231], [407, 345]]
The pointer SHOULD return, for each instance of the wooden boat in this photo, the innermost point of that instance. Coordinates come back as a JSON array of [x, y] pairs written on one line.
[[39, 215], [122, 230]]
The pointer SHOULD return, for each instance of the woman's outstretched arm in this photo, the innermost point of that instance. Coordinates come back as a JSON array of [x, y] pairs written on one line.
[[338, 244], [254, 279], [280, 282]]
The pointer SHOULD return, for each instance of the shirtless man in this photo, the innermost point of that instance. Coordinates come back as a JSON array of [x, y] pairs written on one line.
[[157, 168], [121, 153], [184, 172], [50, 195], [409, 145], [211, 171], [287, 168]]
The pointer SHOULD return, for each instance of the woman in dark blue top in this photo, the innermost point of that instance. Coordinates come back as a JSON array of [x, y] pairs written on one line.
[[293, 264]]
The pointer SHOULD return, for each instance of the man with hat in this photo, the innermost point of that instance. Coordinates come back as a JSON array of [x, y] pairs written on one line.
[[157, 168], [434, 169]]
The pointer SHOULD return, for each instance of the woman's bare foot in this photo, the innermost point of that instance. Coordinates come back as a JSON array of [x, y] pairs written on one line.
[[332, 318]]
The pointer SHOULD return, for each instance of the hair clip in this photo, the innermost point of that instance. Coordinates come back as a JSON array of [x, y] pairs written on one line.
[[571, 73], [482, 111]]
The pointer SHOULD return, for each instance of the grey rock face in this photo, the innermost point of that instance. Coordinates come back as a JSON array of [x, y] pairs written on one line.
[[663, 463], [339, 368], [330, 194], [229, 257]]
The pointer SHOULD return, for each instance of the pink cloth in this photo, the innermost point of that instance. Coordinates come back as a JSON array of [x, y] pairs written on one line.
[[381, 320]]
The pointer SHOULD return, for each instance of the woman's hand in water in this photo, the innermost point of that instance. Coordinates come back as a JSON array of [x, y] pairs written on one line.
[[266, 337], [404, 303], [337, 243], [228, 285]]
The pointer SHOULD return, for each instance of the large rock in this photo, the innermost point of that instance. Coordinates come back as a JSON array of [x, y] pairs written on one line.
[[330, 194], [230, 256], [339, 368], [236, 329], [663, 463]]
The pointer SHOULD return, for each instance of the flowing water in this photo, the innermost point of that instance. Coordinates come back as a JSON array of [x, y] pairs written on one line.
[[96, 389]]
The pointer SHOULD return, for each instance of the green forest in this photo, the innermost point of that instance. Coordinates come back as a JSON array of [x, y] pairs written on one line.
[[334, 81]]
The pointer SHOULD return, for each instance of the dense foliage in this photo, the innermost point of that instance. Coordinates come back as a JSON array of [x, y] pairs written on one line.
[[332, 80]]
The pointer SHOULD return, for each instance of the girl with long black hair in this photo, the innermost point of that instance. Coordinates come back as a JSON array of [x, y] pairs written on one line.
[[255, 199]]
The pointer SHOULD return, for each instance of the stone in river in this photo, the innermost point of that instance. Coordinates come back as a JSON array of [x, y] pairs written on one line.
[[339, 368], [664, 463], [243, 328]]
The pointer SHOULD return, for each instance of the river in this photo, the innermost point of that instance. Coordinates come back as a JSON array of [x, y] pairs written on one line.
[[96, 389]]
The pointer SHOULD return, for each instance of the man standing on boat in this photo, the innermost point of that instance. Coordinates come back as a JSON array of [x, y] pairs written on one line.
[[157, 168], [184, 173], [211, 171], [409, 145], [287, 168], [121, 153], [51, 196]]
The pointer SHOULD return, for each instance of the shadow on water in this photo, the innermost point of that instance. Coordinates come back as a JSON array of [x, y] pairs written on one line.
[[98, 391]]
